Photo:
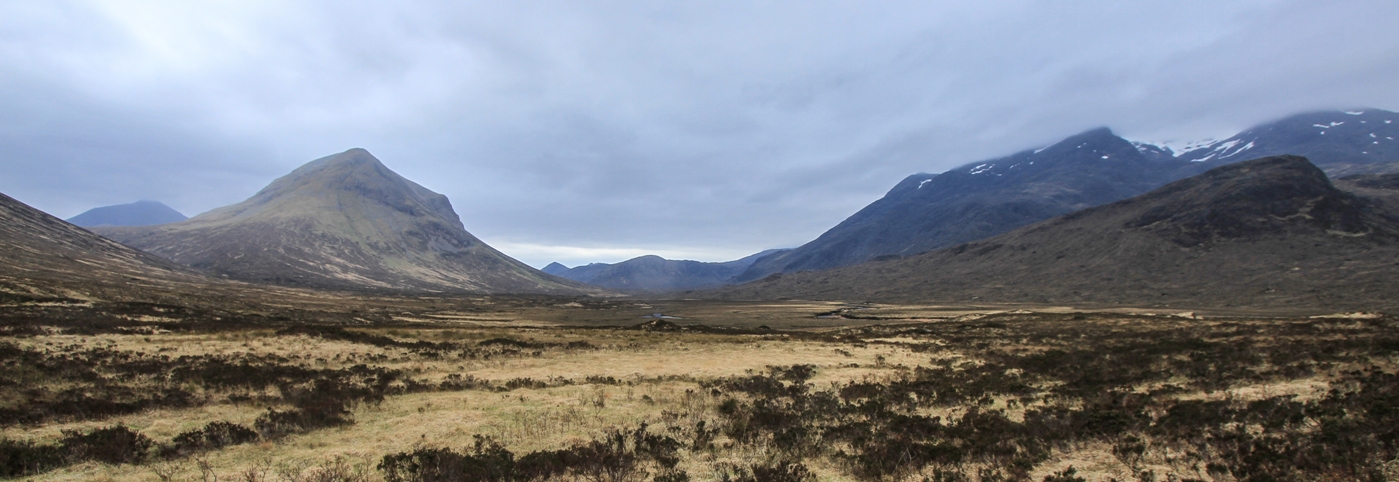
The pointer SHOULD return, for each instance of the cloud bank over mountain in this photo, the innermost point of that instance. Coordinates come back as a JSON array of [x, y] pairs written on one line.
[[604, 130]]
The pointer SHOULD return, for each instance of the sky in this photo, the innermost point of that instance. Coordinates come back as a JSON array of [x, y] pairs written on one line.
[[589, 131]]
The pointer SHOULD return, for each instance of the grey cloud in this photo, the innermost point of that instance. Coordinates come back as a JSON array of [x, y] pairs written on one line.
[[701, 127]]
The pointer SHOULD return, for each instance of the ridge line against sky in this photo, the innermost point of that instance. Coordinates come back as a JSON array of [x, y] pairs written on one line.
[[598, 131]]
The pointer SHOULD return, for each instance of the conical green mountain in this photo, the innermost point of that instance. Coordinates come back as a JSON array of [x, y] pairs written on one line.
[[343, 222]]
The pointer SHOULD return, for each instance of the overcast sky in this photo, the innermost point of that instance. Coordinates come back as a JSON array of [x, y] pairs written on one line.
[[585, 131]]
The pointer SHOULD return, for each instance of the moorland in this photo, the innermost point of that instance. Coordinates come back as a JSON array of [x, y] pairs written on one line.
[[539, 388]]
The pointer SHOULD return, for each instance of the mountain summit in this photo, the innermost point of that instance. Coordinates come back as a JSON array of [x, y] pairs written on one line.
[[347, 222]]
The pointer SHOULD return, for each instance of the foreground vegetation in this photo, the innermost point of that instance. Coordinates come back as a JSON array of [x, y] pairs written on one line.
[[973, 397]]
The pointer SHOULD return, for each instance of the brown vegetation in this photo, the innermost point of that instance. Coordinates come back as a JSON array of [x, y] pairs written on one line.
[[897, 393]]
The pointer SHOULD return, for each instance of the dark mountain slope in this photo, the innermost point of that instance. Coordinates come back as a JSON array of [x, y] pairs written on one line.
[[654, 273], [344, 222], [1339, 142], [982, 199], [1272, 233], [47, 257], [139, 213]]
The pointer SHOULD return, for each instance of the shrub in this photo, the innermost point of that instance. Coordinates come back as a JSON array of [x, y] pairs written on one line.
[[214, 436], [487, 461], [20, 458], [113, 445], [1066, 475], [616, 457], [275, 424], [770, 471]]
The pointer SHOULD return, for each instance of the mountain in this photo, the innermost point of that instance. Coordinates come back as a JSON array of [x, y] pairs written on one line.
[[1339, 142], [986, 198], [1272, 233], [654, 273], [556, 269], [982, 199], [47, 257], [139, 213], [342, 222]]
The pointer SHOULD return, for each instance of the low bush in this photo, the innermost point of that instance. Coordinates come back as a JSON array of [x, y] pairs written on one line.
[[770, 471], [619, 456], [21, 458], [214, 436], [113, 445]]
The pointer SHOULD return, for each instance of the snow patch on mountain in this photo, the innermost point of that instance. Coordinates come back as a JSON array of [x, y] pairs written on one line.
[[1175, 148]]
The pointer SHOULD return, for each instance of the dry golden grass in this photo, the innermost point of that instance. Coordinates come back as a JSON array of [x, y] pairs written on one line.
[[656, 370], [658, 374]]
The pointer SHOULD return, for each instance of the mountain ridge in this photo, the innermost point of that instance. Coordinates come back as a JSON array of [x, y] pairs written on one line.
[[1267, 233], [980, 199], [1328, 137], [652, 273], [985, 198]]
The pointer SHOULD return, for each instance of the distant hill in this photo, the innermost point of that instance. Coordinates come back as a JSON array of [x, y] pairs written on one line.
[[654, 273], [982, 199], [555, 268], [1271, 233], [139, 213], [47, 257], [343, 222]]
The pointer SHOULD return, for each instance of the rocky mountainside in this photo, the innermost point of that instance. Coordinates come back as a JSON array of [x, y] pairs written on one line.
[[982, 199], [343, 222], [1271, 233], [655, 274], [139, 213]]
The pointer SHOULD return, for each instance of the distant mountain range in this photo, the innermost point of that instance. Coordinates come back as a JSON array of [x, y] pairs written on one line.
[[1271, 233], [348, 222], [986, 198], [139, 213], [343, 222], [654, 273]]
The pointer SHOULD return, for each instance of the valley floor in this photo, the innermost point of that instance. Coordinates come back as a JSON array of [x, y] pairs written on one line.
[[675, 390]]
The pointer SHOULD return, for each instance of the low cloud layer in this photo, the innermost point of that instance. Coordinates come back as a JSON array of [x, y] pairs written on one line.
[[597, 131]]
